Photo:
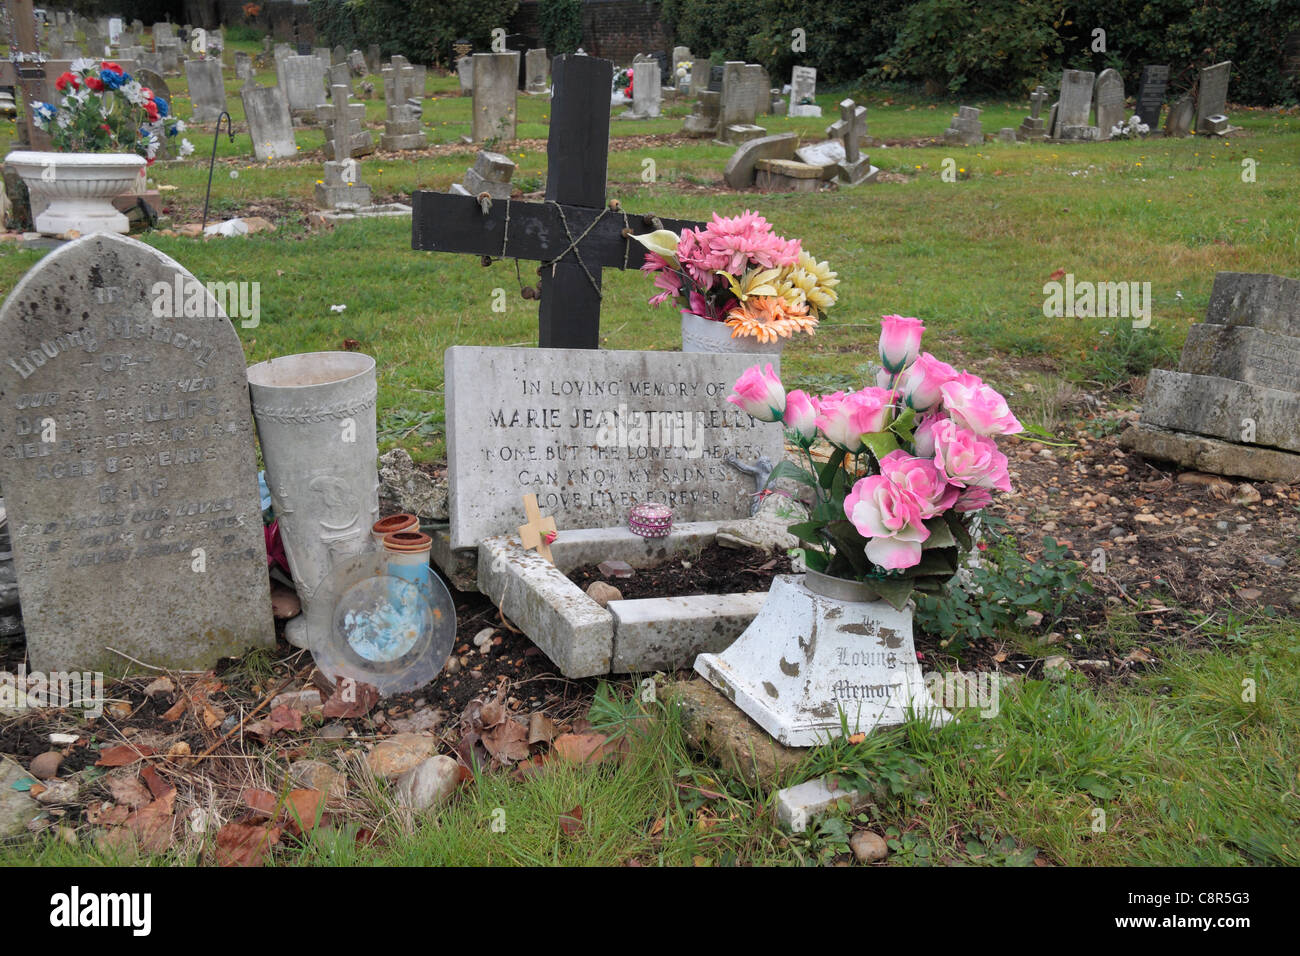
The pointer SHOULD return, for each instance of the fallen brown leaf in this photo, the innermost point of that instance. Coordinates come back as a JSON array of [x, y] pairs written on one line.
[[571, 822], [587, 748], [507, 742], [541, 729], [245, 844], [155, 782], [351, 699], [285, 717], [128, 791], [123, 755]]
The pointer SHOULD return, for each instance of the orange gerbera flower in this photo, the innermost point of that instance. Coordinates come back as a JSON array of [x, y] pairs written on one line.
[[768, 318]]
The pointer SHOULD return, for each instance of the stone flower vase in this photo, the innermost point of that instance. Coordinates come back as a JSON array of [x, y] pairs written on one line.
[[315, 415], [705, 335], [75, 190], [821, 648]]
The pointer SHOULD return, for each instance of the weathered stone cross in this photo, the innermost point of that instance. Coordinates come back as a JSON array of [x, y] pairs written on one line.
[[850, 127], [573, 234], [1037, 98]]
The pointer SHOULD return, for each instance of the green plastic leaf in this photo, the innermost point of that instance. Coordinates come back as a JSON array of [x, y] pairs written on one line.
[[849, 543], [881, 443], [904, 425], [958, 529], [1042, 435], [940, 536], [809, 531], [788, 469], [894, 590], [829, 469]]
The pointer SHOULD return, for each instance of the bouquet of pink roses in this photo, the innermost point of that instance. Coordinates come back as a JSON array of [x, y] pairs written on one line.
[[911, 459], [740, 272]]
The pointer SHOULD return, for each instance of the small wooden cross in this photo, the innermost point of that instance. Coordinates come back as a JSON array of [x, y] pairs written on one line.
[[539, 532], [572, 233], [850, 127]]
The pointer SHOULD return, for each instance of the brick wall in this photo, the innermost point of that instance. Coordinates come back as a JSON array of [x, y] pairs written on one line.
[[614, 29]]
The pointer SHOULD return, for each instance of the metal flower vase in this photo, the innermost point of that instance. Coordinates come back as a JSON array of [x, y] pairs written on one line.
[[315, 415]]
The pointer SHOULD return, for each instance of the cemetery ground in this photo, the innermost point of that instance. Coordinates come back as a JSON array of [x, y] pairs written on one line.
[[1129, 697]]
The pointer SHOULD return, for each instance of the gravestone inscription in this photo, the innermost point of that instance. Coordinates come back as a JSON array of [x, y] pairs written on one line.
[[126, 457], [1151, 94], [594, 433]]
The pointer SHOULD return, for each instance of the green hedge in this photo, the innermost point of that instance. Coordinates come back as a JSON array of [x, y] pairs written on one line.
[[421, 30], [561, 25], [999, 46]]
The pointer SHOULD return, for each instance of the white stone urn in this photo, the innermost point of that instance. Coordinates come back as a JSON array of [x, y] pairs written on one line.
[[77, 189], [705, 335]]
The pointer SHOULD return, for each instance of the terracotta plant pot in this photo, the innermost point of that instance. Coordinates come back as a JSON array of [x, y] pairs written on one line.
[[393, 524]]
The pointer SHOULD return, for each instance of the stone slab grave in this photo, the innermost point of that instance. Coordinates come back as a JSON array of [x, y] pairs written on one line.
[[1212, 100], [128, 466], [537, 67], [1031, 127], [964, 128], [1108, 102], [1151, 94], [490, 174], [591, 434], [803, 92], [270, 125], [741, 169], [575, 233], [207, 89], [1233, 406], [495, 88], [1075, 107], [786, 176], [742, 84]]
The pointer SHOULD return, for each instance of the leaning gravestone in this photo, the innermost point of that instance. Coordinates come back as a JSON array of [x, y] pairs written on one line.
[[1233, 406], [1182, 114], [270, 125], [1108, 99], [1075, 106], [207, 89], [1151, 94], [496, 80], [128, 466], [593, 433], [1212, 99]]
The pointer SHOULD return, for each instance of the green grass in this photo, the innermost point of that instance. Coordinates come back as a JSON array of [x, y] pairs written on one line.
[[1173, 768]]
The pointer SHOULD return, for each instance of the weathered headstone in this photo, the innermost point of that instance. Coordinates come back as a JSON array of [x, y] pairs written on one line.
[[1075, 106], [1182, 114], [207, 89], [716, 74], [1108, 99], [740, 170], [965, 129], [646, 89], [357, 63], [243, 66], [703, 121], [495, 89], [353, 138], [803, 92], [681, 55], [578, 429], [1233, 407], [738, 109], [490, 174], [270, 126], [304, 84], [1031, 127], [538, 67], [1212, 98], [1151, 94], [465, 73], [128, 467]]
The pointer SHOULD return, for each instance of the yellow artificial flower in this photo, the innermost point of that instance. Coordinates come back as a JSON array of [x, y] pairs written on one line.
[[809, 282], [753, 283]]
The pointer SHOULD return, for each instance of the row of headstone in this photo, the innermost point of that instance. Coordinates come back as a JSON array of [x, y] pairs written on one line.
[[402, 99]]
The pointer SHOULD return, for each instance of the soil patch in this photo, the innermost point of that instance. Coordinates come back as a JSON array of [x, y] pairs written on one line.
[[714, 570]]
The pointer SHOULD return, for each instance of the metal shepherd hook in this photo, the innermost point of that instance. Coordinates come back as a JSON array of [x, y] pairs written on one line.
[[211, 162]]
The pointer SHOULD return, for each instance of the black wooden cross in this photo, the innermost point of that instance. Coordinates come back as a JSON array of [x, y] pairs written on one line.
[[573, 234]]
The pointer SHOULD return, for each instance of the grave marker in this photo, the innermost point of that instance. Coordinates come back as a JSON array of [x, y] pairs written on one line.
[[573, 234], [803, 92], [1212, 98], [851, 127], [1031, 127], [1108, 97], [495, 89], [1075, 106], [270, 126], [137, 524], [537, 65], [207, 89], [1151, 94]]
